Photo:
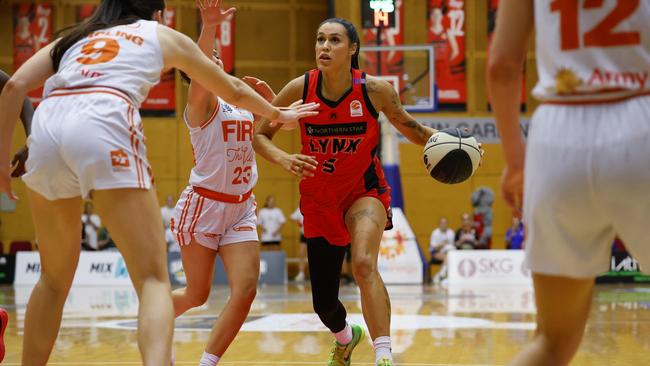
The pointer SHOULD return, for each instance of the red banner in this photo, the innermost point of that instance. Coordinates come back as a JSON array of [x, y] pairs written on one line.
[[447, 33], [85, 11], [32, 31], [224, 42], [386, 63], [162, 97], [493, 5]]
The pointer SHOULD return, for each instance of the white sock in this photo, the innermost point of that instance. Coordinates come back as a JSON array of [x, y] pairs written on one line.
[[209, 360], [382, 348], [344, 336]]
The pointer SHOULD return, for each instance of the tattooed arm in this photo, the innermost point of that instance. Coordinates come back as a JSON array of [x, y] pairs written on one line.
[[385, 99]]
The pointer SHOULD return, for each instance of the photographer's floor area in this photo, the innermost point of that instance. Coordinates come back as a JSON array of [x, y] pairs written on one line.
[[431, 325]]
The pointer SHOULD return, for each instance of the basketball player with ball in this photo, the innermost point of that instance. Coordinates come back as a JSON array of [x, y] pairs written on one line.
[[345, 198], [586, 162]]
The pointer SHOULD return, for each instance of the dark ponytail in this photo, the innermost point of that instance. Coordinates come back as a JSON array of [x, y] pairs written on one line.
[[352, 35], [109, 14]]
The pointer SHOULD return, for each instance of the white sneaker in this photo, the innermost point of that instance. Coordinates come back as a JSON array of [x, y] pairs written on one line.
[[300, 277]]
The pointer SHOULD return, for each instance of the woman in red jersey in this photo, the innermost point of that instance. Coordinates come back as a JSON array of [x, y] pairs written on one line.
[[344, 196]]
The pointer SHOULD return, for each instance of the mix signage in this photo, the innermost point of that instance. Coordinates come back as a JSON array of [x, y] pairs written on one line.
[[94, 268]]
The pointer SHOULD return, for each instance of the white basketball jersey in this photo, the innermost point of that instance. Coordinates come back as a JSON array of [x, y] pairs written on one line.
[[125, 57], [223, 151], [592, 50]]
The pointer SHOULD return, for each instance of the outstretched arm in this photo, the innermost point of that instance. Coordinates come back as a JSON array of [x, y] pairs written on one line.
[[179, 51], [507, 55], [200, 101], [385, 99]]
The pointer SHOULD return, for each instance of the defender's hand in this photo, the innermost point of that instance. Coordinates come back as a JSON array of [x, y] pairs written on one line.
[[18, 162]]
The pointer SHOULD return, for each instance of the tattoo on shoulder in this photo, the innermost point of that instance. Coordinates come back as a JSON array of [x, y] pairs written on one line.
[[371, 86]]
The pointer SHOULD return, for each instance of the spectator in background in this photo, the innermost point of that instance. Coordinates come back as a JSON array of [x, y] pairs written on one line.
[[466, 237], [297, 217], [271, 219], [482, 200], [104, 240], [515, 235], [90, 225], [441, 242]]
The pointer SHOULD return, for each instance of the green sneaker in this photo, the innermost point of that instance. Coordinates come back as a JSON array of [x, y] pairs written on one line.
[[385, 361], [340, 354]]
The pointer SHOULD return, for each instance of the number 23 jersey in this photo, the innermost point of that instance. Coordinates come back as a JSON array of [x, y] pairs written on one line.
[[224, 160]]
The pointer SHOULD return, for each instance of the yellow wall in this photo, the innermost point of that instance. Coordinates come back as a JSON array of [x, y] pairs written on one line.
[[274, 41]]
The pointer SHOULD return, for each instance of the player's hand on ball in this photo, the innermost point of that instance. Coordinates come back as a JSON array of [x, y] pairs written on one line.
[[452, 155], [290, 116], [301, 166]]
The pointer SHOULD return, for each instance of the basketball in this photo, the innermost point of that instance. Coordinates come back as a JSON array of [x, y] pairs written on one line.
[[451, 155]]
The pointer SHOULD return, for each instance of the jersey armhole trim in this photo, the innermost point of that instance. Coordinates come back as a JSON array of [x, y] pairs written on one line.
[[205, 123], [366, 98], [212, 116], [305, 88]]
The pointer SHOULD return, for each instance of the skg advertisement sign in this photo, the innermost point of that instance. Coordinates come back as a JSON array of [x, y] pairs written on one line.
[[488, 266], [94, 268]]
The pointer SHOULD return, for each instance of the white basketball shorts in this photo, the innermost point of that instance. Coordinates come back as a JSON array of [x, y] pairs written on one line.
[[213, 223], [84, 140], [587, 179]]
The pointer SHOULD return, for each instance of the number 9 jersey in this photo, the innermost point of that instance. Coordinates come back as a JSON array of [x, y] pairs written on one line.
[[87, 133], [592, 50], [125, 57]]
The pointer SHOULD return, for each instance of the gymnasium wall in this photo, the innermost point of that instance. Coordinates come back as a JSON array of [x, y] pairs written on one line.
[[274, 41]]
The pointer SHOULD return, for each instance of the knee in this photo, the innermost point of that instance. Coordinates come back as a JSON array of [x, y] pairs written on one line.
[[364, 268], [196, 297], [59, 284], [244, 293]]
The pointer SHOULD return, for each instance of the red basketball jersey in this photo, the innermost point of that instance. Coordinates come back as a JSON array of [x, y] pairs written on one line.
[[344, 138]]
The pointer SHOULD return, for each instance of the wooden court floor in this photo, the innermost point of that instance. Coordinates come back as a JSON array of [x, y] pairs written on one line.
[[432, 325]]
